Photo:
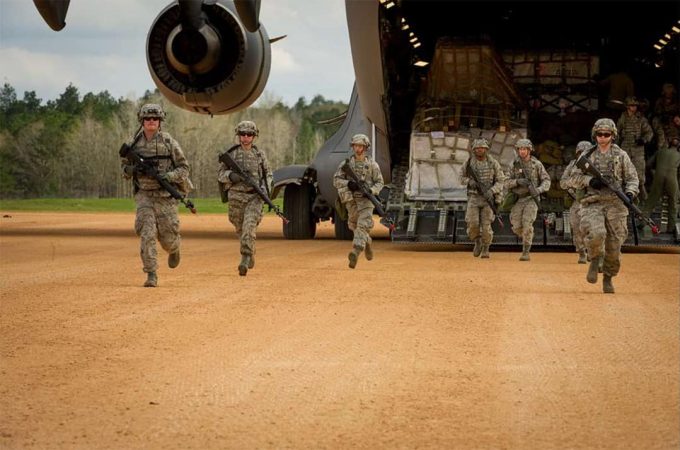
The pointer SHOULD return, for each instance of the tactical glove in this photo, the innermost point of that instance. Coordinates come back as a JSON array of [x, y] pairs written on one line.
[[639, 141], [522, 182], [235, 178], [533, 191], [129, 170], [168, 176], [352, 186], [595, 183], [490, 197], [630, 196]]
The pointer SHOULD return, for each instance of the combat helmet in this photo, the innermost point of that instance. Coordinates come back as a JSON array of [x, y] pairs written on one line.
[[583, 146], [360, 139], [604, 125], [481, 142], [631, 101], [151, 110], [246, 126], [524, 143]]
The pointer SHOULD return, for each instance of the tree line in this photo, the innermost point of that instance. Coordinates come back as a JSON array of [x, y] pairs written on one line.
[[68, 147]]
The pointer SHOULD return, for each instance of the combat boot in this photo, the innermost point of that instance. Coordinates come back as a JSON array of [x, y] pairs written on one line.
[[243, 265], [582, 257], [525, 253], [485, 251], [592, 270], [151, 280], [478, 247], [354, 257], [173, 259], [251, 264], [369, 252], [607, 286]]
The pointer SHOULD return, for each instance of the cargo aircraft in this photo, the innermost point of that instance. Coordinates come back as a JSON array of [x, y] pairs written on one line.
[[430, 77]]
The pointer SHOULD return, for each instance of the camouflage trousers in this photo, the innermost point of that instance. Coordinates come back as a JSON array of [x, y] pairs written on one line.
[[664, 184], [245, 213], [360, 220], [522, 217], [575, 223], [604, 224], [156, 218], [637, 157], [478, 218]]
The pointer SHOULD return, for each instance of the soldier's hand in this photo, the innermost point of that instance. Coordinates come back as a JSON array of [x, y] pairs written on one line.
[[488, 195], [533, 191], [168, 176], [522, 182], [129, 170], [595, 183], [235, 178], [352, 185], [639, 141], [630, 196], [472, 184]]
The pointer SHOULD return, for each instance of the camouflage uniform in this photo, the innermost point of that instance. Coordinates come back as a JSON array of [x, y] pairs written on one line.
[[635, 132], [156, 215], [478, 215], [524, 211], [603, 214], [577, 195], [245, 205], [359, 208]]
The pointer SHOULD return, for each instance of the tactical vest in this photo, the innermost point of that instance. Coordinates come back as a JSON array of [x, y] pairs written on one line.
[[250, 161], [609, 165], [158, 151], [484, 170]]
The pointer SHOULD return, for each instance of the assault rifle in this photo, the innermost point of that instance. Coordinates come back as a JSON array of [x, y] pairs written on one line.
[[147, 168], [485, 190], [586, 167], [228, 161], [366, 191]]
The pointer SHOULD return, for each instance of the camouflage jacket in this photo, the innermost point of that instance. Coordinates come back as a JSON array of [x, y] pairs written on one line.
[[632, 128], [534, 171], [253, 161], [164, 152], [488, 171], [615, 166], [367, 171]]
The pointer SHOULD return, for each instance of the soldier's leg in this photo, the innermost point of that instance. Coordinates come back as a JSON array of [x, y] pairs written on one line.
[[638, 160], [594, 233], [168, 228], [487, 217], [576, 235], [145, 228], [528, 219], [252, 216], [364, 223], [617, 232], [472, 215], [672, 191], [516, 217], [352, 214]]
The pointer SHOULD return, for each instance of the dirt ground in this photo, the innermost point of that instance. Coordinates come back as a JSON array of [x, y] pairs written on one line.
[[424, 347]]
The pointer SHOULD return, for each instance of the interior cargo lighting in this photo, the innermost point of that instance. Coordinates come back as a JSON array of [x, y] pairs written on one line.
[[663, 42], [675, 29], [413, 39], [389, 5], [657, 46], [411, 34], [405, 27], [667, 36], [416, 45], [420, 63]]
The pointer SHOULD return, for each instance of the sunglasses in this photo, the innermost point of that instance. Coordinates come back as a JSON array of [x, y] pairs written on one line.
[[246, 134], [604, 135], [151, 118]]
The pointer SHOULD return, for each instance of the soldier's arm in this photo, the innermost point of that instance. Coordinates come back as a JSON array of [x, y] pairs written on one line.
[[630, 176], [544, 177], [647, 132], [267, 168], [377, 179], [181, 170], [223, 175], [464, 178], [499, 178], [340, 179]]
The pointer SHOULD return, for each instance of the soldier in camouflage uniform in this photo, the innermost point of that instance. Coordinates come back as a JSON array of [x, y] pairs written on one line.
[[156, 210], [528, 179], [245, 205], [577, 196], [603, 215], [359, 208], [667, 164], [635, 132], [478, 214]]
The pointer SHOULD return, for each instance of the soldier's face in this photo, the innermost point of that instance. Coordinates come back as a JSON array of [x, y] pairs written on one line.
[[524, 152], [359, 149], [151, 124], [480, 152]]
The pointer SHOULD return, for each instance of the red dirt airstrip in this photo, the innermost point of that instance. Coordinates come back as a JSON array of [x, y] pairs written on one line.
[[424, 347]]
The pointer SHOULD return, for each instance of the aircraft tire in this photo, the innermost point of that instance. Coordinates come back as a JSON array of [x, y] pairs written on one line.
[[297, 206]]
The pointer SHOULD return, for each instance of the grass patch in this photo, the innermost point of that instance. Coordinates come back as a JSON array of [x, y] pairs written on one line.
[[203, 205]]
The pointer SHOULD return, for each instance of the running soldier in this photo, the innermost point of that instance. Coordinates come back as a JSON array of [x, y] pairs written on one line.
[[528, 180], [359, 208], [156, 215], [479, 215], [603, 215], [245, 205], [575, 209], [635, 132]]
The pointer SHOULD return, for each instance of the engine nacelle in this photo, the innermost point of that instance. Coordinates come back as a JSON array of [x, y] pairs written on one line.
[[218, 69]]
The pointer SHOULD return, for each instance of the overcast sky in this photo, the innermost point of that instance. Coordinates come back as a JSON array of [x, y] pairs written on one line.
[[102, 48]]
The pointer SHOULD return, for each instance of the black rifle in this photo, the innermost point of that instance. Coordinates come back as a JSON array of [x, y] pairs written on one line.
[[485, 190], [227, 160], [147, 168], [533, 192], [586, 167], [366, 191]]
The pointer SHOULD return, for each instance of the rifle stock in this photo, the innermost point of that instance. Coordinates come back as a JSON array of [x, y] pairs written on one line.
[[586, 167], [228, 161], [366, 191], [147, 168]]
